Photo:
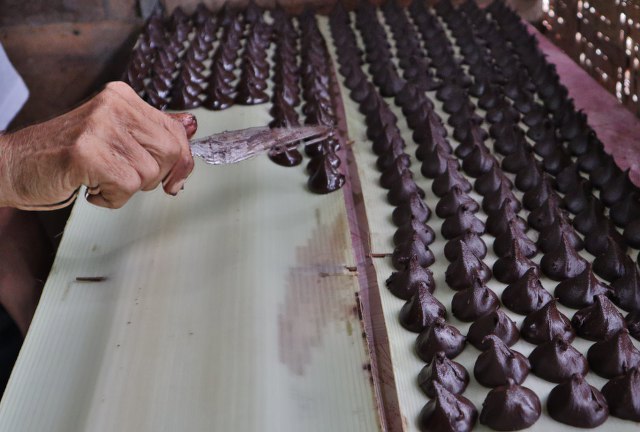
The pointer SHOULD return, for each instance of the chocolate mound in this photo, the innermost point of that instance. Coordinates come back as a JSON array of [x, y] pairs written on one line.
[[326, 179], [498, 222], [404, 283], [545, 215], [490, 182], [568, 178], [512, 266], [579, 291], [448, 179], [498, 364], [626, 290], [414, 226], [526, 294], [413, 207], [403, 189], [473, 302], [492, 203], [545, 324], [556, 361], [448, 412], [448, 373], [412, 248], [633, 324], [588, 219], [623, 395], [536, 196], [632, 234], [614, 356], [478, 162], [287, 158], [577, 199], [454, 200], [529, 176], [551, 236], [466, 268], [610, 264], [392, 174], [434, 162], [563, 262], [504, 245], [422, 310], [599, 321], [495, 323], [576, 403], [473, 241], [440, 336], [461, 221], [510, 407]]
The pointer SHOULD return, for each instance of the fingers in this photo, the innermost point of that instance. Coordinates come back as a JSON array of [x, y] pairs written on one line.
[[164, 136], [189, 122], [116, 189]]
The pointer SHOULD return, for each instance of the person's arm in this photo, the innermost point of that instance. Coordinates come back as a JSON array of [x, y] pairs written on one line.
[[115, 144]]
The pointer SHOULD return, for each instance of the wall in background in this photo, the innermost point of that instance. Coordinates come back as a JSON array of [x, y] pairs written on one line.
[[603, 36], [65, 49]]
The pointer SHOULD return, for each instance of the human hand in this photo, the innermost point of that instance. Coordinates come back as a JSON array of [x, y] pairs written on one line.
[[115, 144]]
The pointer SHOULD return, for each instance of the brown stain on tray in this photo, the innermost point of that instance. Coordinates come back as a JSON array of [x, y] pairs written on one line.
[[320, 291]]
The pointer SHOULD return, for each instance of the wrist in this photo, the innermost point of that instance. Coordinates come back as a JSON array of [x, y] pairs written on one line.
[[7, 193]]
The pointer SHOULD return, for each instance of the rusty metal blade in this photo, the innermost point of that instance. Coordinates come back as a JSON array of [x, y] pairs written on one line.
[[234, 146]]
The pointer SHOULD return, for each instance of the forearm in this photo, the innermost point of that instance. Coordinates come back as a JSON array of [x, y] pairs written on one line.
[[5, 186]]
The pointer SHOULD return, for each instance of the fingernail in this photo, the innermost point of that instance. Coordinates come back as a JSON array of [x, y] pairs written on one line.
[[178, 187]]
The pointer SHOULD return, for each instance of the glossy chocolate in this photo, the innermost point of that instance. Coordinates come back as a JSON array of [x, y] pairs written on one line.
[[556, 361], [563, 262], [623, 395], [546, 324], [576, 403], [626, 290], [473, 302], [421, 310], [599, 321], [463, 220], [448, 412], [614, 356], [580, 290], [413, 226], [325, 179], [526, 294], [551, 236], [406, 251], [494, 323], [498, 222], [466, 268], [440, 336], [510, 407], [404, 283], [473, 241], [448, 373], [513, 265], [611, 264], [514, 236], [498, 364], [455, 199], [413, 207]]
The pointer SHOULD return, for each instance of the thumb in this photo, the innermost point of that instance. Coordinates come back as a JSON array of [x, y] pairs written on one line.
[[189, 122]]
